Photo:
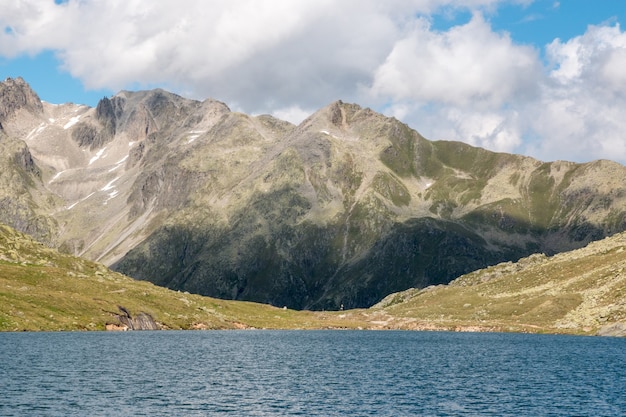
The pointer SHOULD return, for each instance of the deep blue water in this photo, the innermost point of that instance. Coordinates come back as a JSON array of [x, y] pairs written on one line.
[[310, 373]]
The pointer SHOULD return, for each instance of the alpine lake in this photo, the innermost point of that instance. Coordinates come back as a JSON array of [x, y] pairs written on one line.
[[310, 373]]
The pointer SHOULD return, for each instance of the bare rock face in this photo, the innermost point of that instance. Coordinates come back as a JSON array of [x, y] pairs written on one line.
[[24, 160], [106, 114], [614, 330], [98, 134], [16, 94], [24, 202], [143, 321]]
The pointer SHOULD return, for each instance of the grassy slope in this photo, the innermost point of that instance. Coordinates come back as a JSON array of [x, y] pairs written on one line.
[[41, 289], [580, 291], [575, 292]]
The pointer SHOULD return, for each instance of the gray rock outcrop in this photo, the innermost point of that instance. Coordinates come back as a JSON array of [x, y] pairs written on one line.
[[143, 321]]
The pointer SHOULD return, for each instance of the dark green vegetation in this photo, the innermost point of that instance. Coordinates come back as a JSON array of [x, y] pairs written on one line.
[[343, 209]]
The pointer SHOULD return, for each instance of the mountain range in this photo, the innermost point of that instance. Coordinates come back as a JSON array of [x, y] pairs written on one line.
[[340, 210]]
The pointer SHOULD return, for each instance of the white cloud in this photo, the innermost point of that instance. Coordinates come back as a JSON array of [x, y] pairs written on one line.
[[293, 114], [467, 64], [473, 85], [491, 130], [460, 84], [595, 57], [580, 112], [284, 57], [261, 54], [499, 130]]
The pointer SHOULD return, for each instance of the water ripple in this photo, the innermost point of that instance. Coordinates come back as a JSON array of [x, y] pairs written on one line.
[[315, 373]]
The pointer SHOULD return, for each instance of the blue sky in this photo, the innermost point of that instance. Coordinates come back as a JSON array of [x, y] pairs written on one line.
[[51, 83], [543, 78]]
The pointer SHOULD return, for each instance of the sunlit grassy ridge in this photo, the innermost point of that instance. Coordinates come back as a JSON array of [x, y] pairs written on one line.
[[581, 291]]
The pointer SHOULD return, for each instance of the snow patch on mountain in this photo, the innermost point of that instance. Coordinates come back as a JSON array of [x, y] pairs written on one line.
[[97, 156], [109, 186], [36, 131], [194, 134], [57, 175], [71, 206], [72, 122]]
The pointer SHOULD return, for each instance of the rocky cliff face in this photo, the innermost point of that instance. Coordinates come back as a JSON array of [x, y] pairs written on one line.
[[17, 96], [343, 209], [25, 204]]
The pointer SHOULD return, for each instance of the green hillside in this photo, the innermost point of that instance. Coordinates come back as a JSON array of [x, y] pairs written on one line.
[[582, 291], [41, 289]]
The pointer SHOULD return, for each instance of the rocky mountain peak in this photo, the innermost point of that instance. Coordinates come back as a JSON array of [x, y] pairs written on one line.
[[108, 111], [336, 114], [16, 94]]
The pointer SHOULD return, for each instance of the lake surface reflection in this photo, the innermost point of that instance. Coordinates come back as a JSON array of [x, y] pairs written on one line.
[[310, 373]]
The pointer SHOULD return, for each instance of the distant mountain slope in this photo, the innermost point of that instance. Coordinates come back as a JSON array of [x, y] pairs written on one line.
[[351, 205], [343, 209], [25, 203]]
